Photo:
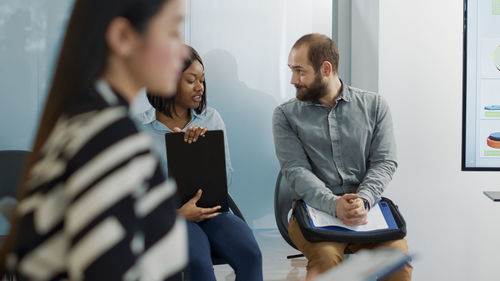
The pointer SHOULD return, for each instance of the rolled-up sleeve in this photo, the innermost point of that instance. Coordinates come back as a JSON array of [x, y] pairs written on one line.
[[296, 168], [382, 157]]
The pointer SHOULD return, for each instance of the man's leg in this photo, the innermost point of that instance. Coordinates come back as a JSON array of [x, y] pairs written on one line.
[[321, 256], [403, 274]]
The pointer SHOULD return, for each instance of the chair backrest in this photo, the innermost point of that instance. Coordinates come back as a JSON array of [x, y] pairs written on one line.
[[11, 167], [234, 208], [283, 202]]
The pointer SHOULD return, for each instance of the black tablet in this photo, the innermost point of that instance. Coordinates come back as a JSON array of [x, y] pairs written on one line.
[[199, 165]]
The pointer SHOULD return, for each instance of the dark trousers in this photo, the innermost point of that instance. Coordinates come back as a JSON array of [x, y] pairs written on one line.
[[229, 238]]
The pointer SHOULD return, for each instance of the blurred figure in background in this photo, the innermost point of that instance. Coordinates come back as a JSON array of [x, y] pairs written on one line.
[[94, 203]]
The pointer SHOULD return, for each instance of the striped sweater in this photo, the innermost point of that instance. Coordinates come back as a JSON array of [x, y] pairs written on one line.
[[98, 206]]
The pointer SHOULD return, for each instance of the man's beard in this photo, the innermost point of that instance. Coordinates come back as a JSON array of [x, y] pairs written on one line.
[[313, 92]]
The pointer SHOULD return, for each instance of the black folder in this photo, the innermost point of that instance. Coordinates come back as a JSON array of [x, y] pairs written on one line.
[[199, 165]]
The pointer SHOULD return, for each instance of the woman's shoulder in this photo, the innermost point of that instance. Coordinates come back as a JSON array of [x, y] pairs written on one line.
[[146, 116], [94, 131], [101, 119], [210, 113], [76, 139], [210, 118]]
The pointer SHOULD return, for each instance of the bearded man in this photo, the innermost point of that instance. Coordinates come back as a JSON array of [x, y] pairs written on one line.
[[336, 148]]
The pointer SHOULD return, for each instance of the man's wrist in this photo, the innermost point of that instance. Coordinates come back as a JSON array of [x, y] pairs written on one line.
[[367, 204], [335, 201]]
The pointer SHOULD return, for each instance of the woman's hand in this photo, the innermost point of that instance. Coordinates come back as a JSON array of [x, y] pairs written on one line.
[[193, 213], [192, 133]]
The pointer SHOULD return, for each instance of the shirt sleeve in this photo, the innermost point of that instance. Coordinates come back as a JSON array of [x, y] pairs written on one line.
[[296, 168], [382, 157]]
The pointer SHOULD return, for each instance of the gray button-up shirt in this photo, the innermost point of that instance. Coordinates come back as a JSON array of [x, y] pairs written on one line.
[[325, 152]]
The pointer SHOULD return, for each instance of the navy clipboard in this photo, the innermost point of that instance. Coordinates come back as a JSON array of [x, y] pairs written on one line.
[[199, 165], [394, 219]]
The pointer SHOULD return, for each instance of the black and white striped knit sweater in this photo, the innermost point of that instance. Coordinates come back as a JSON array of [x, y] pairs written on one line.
[[98, 206]]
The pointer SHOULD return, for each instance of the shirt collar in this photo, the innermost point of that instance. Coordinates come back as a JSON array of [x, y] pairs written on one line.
[[312, 103], [149, 116], [202, 115], [108, 94], [345, 95]]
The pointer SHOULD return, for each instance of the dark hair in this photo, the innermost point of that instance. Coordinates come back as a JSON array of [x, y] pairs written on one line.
[[81, 61], [321, 48], [167, 105]]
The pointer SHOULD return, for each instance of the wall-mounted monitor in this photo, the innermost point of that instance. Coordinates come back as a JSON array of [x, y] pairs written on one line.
[[481, 86]]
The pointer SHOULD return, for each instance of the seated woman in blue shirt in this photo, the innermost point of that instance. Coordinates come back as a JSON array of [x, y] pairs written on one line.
[[226, 234]]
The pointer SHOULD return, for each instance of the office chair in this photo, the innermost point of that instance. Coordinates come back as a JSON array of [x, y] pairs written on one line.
[[283, 203], [11, 168]]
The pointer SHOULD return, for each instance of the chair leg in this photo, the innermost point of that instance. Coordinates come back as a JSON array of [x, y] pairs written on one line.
[[294, 256]]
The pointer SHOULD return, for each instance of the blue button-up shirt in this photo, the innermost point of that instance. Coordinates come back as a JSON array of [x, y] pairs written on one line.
[[209, 118], [325, 152]]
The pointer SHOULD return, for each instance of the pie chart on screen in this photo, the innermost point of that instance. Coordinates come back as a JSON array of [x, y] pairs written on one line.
[[496, 58], [494, 140]]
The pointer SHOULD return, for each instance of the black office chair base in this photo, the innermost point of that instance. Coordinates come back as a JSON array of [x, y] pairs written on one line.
[[295, 256], [346, 252]]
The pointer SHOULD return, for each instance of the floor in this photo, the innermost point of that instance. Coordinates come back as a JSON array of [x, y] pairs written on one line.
[[275, 264]]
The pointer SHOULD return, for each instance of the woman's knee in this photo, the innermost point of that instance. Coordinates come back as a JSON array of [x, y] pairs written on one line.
[[200, 268], [200, 261], [253, 252], [245, 254]]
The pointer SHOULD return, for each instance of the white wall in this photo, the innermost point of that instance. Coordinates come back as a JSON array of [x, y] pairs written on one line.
[[30, 33], [341, 34], [452, 227], [245, 46], [364, 44]]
